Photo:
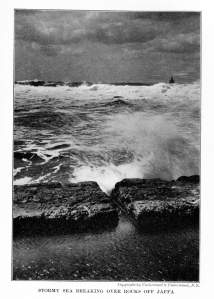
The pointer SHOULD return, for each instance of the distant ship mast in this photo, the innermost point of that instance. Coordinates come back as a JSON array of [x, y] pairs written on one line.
[[171, 80]]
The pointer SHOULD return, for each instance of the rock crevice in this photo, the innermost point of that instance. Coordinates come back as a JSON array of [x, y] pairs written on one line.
[[158, 204]]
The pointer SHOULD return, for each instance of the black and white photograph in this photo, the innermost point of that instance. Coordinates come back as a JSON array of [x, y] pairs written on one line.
[[106, 145]]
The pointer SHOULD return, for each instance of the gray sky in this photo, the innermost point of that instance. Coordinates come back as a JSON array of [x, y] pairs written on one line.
[[107, 47]]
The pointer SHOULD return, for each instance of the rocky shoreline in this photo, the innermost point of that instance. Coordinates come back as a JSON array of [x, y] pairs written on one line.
[[153, 204], [157, 204]]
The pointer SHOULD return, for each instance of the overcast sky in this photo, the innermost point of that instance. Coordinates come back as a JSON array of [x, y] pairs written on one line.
[[107, 47]]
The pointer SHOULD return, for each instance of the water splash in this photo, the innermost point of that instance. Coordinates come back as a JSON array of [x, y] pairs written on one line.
[[150, 132], [157, 148]]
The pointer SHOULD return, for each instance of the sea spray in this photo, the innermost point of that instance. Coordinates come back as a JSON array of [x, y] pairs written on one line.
[[106, 134], [156, 148]]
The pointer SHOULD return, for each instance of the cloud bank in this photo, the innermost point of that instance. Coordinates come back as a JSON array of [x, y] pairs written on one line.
[[121, 35]]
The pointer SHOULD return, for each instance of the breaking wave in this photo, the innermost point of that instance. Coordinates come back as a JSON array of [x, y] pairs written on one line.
[[106, 133], [153, 146]]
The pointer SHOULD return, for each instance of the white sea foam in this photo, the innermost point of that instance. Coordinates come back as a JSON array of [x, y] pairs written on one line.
[[107, 176], [84, 92], [154, 131], [157, 147], [17, 170], [22, 181]]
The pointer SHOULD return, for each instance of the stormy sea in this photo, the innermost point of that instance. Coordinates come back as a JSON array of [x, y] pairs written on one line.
[[105, 133]]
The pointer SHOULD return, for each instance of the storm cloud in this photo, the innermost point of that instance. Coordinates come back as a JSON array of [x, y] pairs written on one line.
[[125, 35]]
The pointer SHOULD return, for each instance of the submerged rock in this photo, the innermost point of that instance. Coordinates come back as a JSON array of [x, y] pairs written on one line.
[[157, 204], [53, 208]]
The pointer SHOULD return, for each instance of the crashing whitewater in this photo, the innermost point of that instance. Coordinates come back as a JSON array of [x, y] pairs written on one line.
[[106, 133]]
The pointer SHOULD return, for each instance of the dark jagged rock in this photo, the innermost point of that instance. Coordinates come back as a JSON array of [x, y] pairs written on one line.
[[31, 82], [56, 208], [157, 204]]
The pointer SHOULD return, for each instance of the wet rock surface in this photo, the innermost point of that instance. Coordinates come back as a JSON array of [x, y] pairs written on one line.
[[54, 208], [153, 203], [157, 204]]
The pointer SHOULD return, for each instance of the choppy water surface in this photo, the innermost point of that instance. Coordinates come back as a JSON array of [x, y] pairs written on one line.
[[123, 253], [106, 133]]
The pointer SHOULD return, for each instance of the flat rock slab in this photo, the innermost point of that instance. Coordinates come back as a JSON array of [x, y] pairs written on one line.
[[157, 204], [53, 207], [154, 204]]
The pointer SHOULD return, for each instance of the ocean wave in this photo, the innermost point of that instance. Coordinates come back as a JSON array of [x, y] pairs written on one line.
[[106, 132]]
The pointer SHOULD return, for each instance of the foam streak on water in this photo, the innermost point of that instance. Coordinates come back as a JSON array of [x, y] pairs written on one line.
[[106, 133]]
